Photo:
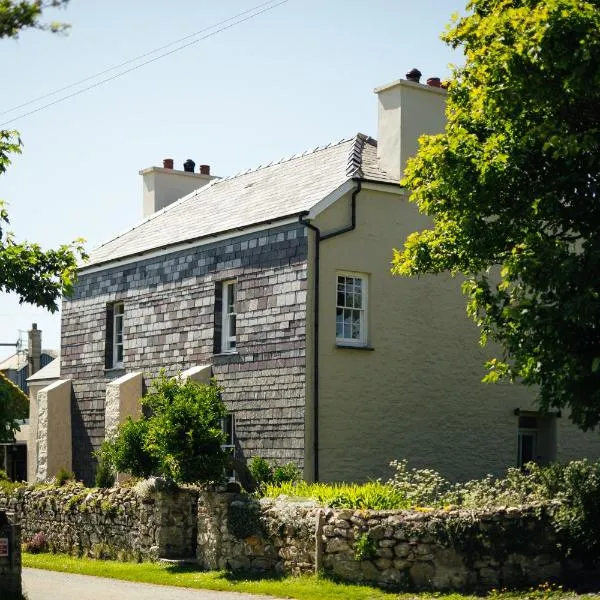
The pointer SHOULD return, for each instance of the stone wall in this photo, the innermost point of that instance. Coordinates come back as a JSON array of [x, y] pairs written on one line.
[[422, 550], [10, 566], [239, 533], [441, 550], [169, 322], [117, 523]]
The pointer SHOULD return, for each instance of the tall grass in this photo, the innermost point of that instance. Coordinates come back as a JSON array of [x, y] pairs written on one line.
[[373, 495]]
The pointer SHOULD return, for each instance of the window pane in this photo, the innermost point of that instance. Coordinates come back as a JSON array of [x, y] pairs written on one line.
[[232, 322], [120, 353]]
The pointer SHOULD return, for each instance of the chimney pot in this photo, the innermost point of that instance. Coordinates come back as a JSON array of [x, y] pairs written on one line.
[[414, 75], [434, 82], [204, 169], [168, 163], [189, 165]]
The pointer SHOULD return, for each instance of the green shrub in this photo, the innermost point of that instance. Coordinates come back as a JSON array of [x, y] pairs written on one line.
[[105, 476], [63, 476], [264, 474], [180, 441], [260, 470], [287, 472]]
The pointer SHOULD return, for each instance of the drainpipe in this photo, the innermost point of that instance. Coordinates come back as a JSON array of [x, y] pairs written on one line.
[[318, 239]]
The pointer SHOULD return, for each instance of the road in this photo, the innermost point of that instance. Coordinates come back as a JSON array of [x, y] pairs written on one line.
[[48, 585]]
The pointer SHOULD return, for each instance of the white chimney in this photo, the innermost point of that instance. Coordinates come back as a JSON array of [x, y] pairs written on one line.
[[407, 110], [164, 185]]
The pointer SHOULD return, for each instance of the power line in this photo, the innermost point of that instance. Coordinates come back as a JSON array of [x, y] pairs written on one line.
[[131, 60], [143, 64]]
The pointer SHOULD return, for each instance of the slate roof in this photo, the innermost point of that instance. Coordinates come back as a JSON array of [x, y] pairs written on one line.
[[275, 191], [19, 360], [50, 371]]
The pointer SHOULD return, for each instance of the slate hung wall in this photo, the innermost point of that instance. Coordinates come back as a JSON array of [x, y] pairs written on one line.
[[169, 322]]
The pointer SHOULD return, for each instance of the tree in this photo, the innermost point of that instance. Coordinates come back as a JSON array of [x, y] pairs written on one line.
[[37, 276], [180, 441], [512, 188], [14, 405]]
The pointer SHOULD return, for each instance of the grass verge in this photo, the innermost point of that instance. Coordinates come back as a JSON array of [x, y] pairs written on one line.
[[307, 587], [301, 588]]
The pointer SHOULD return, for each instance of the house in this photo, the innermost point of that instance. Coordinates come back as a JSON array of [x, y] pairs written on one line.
[[19, 366], [16, 455], [13, 459], [276, 282]]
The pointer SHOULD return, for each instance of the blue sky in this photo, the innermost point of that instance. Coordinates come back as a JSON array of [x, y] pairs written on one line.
[[295, 77]]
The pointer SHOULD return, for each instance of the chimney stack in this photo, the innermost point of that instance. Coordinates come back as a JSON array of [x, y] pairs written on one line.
[[407, 110], [34, 349], [163, 186]]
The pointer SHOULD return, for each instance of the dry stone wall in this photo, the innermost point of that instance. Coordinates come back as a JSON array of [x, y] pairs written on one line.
[[423, 550], [117, 523]]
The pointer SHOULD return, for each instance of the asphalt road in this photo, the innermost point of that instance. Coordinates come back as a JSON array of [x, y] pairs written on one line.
[[48, 585]]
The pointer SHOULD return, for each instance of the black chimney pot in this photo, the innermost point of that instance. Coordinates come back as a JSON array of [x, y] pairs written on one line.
[[414, 75], [189, 165]]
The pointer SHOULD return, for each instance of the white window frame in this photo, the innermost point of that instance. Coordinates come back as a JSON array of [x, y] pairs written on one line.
[[363, 310], [228, 340], [229, 446], [527, 432], [118, 318]]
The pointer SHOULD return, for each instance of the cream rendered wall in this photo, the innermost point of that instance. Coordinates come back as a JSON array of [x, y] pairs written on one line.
[[418, 393], [164, 186], [53, 436]]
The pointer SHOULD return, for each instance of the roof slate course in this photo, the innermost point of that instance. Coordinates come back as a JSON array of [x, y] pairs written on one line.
[[278, 190]]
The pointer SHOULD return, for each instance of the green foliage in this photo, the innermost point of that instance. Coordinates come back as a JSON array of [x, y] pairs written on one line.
[[14, 405], [261, 470], [420, 487], [512, 188], [373, 495], [288, 472], [109, 509], [26, 14], [365, 547], [263, 473], [105, 476], [127, 452], [180, 441], [64, 476]]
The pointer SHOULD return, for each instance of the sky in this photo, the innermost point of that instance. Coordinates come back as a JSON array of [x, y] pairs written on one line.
[[297, 76]]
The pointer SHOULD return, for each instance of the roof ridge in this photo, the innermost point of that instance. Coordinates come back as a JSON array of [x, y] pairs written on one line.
[[355, 156], [286, 159], [353, 169]]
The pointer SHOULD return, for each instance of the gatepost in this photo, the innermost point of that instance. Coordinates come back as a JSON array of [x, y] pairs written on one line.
[[10, 558]]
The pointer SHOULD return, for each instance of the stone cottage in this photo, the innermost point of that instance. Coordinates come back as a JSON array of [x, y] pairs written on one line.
[[276, 282]]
